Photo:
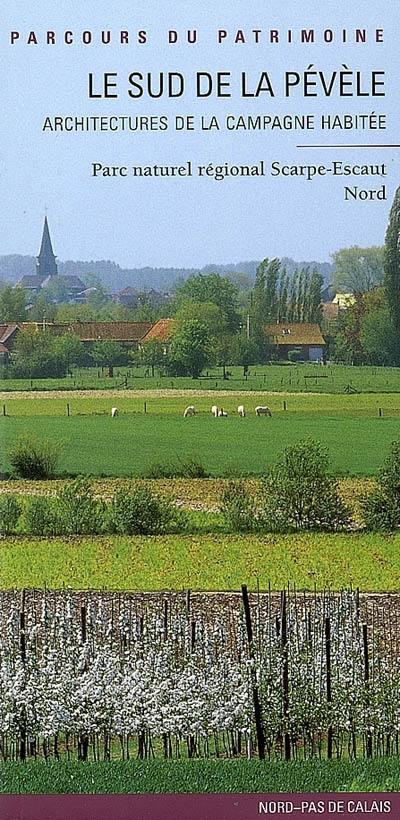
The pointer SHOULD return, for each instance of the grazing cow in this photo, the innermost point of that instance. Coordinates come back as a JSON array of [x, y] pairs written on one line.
[[261, 410], [114, 412], [222, 414], [190, 411], [241, 411], [214, 411]]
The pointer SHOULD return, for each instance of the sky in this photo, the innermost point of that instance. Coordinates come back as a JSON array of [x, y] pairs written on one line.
[[189, 221]]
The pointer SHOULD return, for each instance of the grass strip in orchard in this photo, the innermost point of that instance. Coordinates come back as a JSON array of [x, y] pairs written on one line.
[[210, 776]]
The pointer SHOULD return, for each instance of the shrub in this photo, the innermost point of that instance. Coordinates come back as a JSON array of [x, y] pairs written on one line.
[[380, 509], [237, 507], [300, 494], [10, 511], [31, 457], [142, 513], [77, 511], [40, 516]]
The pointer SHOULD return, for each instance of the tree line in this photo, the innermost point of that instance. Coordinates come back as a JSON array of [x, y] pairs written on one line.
[[368, 332]]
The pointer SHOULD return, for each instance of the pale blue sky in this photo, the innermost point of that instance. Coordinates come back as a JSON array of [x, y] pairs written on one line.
[[188, 222]]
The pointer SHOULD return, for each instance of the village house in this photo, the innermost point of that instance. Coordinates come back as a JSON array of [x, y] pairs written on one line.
[[306, 338]]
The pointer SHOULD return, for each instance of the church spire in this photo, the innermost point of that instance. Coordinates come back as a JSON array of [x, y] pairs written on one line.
[[46, 261]]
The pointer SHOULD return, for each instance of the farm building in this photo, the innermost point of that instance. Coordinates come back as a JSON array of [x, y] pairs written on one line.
[[8, 335], [127, 334], [306, 338], [161, 330]]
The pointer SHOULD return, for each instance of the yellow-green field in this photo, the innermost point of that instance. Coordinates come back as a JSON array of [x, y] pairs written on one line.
[[203, 562]]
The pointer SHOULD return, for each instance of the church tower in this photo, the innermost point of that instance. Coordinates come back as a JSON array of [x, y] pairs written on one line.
[[46, 261]]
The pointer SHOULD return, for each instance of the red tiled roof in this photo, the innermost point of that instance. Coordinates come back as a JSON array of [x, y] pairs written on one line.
[[161, 330], [98, 331], [6, 331]]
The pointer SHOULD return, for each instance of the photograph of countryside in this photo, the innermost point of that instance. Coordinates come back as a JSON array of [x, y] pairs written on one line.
[[199, 521]]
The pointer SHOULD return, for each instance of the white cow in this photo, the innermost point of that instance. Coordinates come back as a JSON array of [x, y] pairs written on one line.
[[189, 411], [114, 412], [215, 411], [241, 411], [222, 414], [262, 410]]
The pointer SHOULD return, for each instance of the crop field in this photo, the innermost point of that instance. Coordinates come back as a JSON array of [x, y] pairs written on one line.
[[150, 430], [333, 378], [203, 561]]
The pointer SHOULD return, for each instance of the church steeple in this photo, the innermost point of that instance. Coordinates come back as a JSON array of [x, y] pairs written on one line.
[[46, 261]]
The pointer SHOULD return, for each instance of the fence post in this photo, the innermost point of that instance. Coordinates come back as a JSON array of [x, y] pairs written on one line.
[[285, 671], [366, 679], [68, 410], [22, 647], [328, 682], [145, 407], [4, 410], [83, 624], [284, 405], [256, 699]]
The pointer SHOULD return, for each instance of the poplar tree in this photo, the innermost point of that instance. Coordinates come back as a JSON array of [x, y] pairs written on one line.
[[392, 270]]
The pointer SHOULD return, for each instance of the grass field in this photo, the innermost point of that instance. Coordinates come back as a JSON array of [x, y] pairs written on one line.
[[191, 776], [132, 444], [203, 562], [292, 378]]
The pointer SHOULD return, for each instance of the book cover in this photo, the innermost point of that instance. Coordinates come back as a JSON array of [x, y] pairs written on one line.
[[199, 410]]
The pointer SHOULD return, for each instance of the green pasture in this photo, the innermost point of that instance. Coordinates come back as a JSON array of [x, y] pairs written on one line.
[[214, 562], [294, 378], [95, 444], [173, 402], [191, 776]]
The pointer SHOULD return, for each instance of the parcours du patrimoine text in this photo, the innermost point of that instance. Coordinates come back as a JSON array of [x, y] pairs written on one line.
[[312, 82]]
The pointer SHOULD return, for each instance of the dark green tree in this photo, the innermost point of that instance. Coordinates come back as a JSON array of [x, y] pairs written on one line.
[[12, 304], [246, 353], [69, 348], [223, 349], [152, 354], [42, 309], [392, 270], [35, 355], [190, 349], [358, 270], [265, 301], [377, 336], [208, 313], [109, 354], [213, 288]]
